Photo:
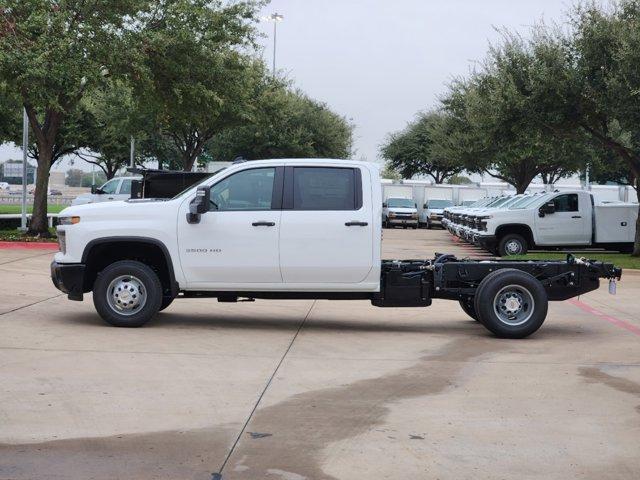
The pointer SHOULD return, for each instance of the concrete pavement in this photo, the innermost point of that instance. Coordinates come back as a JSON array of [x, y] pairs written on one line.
[[318, 390]]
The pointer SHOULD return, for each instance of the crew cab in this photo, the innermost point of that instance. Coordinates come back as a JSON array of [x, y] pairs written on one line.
[[401, 212], [288, 229], [554, 220]]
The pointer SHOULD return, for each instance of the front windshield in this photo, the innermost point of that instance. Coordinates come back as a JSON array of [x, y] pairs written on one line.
[[513, 201], [526, 202], [400, 203], [499, 201], [439, 203]]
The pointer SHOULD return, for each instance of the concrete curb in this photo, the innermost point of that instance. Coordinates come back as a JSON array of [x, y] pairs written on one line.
[[28, 246]]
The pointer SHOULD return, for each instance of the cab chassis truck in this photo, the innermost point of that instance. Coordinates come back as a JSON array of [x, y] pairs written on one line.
[[289, 229]]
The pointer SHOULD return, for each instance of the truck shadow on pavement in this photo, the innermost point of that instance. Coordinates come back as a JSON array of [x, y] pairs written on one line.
[[434, 324]]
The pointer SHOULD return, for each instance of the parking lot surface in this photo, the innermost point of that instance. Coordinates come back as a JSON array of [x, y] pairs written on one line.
[[297, 390]]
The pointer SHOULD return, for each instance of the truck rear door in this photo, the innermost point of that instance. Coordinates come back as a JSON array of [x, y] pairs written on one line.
[[326, 229]]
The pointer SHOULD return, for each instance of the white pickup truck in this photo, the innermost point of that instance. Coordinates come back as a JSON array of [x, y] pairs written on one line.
[[288, 229], [553, 220]]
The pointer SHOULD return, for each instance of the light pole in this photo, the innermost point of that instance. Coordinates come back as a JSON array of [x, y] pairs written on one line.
[[25, 146], [275, 18]]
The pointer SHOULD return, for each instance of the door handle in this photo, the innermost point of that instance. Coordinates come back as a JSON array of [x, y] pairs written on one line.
[[576, 216], [264, 224], [354, 223]]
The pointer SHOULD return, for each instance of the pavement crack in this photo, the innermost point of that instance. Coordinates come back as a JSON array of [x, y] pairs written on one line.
[[218, 474], [31, 304]]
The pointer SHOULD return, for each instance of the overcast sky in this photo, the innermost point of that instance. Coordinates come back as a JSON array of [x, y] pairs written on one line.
[[379, 62]]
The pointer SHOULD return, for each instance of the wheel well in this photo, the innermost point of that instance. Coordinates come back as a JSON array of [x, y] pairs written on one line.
[[523, 230], [97, 256]]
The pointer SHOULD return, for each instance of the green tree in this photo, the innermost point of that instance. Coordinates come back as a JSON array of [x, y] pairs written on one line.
[[606, 51], [286, 124], [112, 117], [498, 124], [50, 54], [412, 152], [194, 74]]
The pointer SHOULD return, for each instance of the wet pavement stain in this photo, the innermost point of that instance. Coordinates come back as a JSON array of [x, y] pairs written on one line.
[[169, 455], [596, 375], [304, 424]]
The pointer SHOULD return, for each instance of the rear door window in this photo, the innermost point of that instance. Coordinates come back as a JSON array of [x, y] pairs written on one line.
[[325, 188]]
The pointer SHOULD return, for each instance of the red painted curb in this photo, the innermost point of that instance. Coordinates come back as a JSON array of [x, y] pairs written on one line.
[[28, 246], [609, 318]]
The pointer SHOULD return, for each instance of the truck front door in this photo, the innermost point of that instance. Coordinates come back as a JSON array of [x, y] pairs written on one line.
[[326, 234], [235, 245], [568, 225]]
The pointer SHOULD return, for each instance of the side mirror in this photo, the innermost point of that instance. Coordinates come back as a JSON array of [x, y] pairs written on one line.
[[199, 205], [547, 208], [94, 189], [384, 204], [415, 205]]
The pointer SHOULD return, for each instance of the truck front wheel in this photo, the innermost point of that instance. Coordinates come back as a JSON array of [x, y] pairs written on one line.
[[127, 294], [512, 244], [511, 303]]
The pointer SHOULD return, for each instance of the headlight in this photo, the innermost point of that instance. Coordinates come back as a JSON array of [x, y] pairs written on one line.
[[391, 214], [414, 215], [68, 220], [62, 241], [434, 215]]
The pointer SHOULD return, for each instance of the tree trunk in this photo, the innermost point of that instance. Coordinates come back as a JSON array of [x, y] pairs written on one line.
[[38, 224], [636, 244]]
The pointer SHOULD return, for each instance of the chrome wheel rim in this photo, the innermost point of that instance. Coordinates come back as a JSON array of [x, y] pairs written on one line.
[[513, 247], [513, 305], [126, 295]]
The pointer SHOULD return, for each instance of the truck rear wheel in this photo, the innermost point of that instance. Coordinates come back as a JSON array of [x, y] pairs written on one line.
[[468, 307], [512, 244], [511, 303], [127, 294]]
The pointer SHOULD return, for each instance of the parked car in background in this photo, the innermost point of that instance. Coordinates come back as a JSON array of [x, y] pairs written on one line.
[[432, 213], [55, 192], [118, 188], [401, 212]]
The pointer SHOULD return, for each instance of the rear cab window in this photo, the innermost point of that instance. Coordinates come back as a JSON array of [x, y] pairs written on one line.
[[322, 188]]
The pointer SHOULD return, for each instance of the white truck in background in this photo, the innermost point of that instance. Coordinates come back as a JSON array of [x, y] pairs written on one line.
[[554, 220], [288, 229]]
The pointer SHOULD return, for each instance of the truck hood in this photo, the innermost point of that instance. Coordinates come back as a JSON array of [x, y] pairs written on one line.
[[109, 209]]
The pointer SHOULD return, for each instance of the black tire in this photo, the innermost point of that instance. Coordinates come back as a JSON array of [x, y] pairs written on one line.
[[428, 225], [512, 244], [385, 223], [496, 289], [143, 277], [468, 307], [166, 301]]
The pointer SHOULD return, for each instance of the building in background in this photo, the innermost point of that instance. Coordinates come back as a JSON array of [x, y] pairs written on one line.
[[11, 172]]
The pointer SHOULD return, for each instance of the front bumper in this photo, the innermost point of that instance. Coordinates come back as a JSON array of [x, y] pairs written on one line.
[[488, 242], [403, 221], [68, 278]]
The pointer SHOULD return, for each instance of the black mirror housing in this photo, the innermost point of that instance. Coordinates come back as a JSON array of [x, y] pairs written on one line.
[[384, 204], [199, 205], [94, 189], [549, 207]]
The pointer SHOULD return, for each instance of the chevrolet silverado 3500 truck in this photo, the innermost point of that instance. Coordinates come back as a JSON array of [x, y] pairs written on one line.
[[288, 229]]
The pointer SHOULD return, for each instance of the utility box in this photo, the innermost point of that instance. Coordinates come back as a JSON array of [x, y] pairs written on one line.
[[615, 222]]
